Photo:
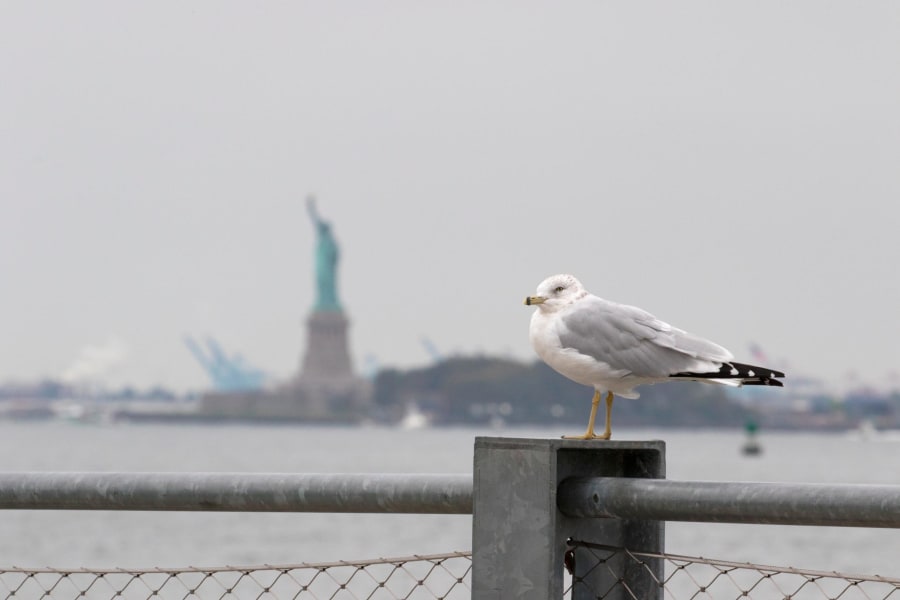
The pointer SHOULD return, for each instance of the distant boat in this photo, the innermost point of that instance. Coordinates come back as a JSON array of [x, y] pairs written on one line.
[[497, 422], [414, 418], [866, 431], [72, 411]]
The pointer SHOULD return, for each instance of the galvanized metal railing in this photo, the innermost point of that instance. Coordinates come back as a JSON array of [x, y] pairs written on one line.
[[851, 505], [529, 500], [842, 505], [240, 492]]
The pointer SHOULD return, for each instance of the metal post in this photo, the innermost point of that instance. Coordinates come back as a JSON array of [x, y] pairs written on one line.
[[519, 537]]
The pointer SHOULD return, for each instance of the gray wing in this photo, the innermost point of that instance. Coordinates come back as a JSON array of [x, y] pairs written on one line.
[[626, 337]]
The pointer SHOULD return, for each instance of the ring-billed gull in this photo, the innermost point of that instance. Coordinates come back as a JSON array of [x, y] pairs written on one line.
[[615, 347]]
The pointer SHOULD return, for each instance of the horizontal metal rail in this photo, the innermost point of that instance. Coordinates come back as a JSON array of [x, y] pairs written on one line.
[[622, 498], [253, 492], [845, 505]]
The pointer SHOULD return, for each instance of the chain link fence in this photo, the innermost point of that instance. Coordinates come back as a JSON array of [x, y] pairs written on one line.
[[438, 576], [690, 577], [444, 576]]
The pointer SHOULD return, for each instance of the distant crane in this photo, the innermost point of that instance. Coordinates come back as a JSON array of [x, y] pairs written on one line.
[[227, 374], [431, 349], [370, 366]]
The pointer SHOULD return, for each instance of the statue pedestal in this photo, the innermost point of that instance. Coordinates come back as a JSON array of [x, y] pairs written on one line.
[[326, 382], [327, 358]]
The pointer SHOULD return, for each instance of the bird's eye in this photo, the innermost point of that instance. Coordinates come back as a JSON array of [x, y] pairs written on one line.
[[559, 289]]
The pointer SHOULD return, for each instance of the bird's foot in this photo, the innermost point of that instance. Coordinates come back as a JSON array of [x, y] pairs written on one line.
[[587, 436]]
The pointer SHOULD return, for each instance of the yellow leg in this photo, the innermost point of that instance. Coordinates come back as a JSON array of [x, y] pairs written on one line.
[[607, 430]]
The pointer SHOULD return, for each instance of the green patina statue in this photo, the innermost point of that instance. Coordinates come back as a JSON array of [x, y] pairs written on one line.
[[327, 255]]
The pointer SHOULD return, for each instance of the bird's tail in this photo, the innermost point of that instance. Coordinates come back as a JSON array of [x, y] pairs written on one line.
[[738, 373]]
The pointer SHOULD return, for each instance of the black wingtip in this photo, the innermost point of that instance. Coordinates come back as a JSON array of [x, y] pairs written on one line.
[[771, 382], [746, 374]]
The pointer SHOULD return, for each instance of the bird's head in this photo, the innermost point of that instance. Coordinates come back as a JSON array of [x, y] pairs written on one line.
[[555, 292]]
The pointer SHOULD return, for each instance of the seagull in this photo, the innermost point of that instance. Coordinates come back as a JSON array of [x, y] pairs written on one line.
[[615, 347]]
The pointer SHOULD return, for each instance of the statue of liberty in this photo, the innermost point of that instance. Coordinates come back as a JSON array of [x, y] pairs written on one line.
[[327, 255]]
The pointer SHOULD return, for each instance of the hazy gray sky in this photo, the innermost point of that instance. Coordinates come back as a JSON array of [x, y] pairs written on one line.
[[733, 167]]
